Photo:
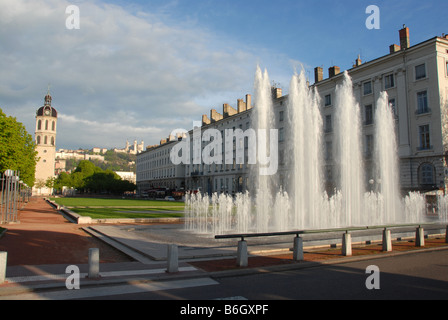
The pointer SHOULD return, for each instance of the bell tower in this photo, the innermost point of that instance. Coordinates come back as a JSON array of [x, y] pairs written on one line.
[[45, 138]]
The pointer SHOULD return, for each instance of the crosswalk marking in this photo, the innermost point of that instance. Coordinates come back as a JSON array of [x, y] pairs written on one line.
[[90, 292], [45, 277]]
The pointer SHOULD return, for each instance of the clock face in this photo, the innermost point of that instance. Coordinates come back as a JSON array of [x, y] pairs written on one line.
[[47, 112]]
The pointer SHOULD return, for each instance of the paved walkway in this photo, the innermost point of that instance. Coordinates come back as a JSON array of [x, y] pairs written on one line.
[[44, 243], [44, 236]]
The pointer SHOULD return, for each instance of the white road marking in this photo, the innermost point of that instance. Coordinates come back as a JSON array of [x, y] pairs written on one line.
[[105, 274], [90, 292]]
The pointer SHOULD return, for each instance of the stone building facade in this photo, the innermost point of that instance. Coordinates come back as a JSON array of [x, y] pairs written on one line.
[[416, 80], [45, 138]]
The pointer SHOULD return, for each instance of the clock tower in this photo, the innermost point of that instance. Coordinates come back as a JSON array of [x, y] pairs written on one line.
[[45, 138]]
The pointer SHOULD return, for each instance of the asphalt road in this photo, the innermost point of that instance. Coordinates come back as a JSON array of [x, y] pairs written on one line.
[[411, 276]]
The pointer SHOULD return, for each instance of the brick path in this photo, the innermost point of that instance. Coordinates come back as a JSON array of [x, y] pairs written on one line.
[[44, 236]]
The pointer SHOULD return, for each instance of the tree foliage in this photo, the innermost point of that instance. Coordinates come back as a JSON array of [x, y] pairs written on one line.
[[89, 178], [17, 149]]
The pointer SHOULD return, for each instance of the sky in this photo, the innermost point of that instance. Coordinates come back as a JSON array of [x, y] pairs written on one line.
[[136, 70]]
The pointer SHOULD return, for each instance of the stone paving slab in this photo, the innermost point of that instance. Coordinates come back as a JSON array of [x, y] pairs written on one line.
[[152, 241]]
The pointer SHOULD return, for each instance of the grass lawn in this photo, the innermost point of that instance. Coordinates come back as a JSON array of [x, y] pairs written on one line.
[[95, 202], [124, 213], [122, 208]]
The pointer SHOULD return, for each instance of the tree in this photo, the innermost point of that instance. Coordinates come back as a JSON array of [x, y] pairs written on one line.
[[88, 177], [63, 180], [39, 184], [17, 149], [86, 168]]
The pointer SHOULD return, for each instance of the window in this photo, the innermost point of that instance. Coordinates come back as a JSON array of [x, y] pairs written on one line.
[[328, 173], [422, 102], [38, 139], [420, 72], [328, 124], [328, 100], [328, 150], [389, 81], [53, 126], [367, 87], [426, 174], [425, 142], [281, 134], [281, 116], [368, 109], [39, 125], [369, 145], [281, 157], [392, 106]]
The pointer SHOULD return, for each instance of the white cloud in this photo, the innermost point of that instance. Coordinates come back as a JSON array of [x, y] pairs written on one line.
[[120, 75]]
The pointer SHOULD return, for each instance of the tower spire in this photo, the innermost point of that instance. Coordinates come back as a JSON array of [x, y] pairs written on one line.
[[48, 97]]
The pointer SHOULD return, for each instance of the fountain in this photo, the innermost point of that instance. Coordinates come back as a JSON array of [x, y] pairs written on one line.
[[303, 203], [349, 153], [305, 185]]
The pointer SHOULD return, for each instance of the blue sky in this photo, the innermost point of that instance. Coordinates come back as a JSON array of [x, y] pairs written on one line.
[[139, 69]]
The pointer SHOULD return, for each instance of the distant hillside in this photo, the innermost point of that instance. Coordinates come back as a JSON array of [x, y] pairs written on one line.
[[112, 161]]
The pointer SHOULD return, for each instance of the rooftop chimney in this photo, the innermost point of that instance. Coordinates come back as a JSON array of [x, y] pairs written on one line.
[[241, 105], [215, 116], [228, 111], [404, 38], [358, 62], [332, 71], [205, 120], [318, 74], [394, 48], [248, 101], [276, 92]]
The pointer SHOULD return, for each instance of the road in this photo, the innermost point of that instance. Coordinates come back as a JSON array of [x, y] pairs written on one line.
[[412, 276], [422, 275]]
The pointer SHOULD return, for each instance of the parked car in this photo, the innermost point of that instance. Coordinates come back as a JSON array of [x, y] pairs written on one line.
[[169, 198]]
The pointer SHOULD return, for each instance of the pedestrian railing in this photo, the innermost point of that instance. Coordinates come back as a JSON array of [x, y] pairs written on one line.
[[13, 196], [298, 255]]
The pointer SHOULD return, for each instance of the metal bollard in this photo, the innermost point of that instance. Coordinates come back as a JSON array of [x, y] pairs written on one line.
[[419, 237], [242, 257], [298, 249], [94, 263], [387, 240], [347, 244]]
